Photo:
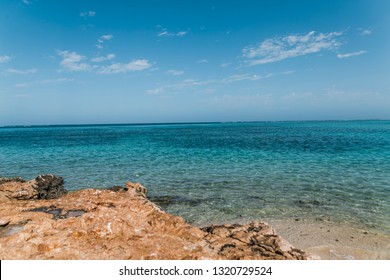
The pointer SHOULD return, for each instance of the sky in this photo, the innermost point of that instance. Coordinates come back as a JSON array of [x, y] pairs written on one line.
[[87, 62]]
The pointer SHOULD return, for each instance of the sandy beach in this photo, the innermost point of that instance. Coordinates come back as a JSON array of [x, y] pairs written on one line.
[[332, 241]]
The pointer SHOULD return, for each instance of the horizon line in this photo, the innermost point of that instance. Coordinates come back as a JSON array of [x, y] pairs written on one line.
[[183, 123]]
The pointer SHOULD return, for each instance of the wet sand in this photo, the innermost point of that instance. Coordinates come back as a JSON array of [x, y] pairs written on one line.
[[331, 241]]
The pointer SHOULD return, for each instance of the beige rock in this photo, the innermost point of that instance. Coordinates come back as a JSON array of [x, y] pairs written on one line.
[[121, 224]]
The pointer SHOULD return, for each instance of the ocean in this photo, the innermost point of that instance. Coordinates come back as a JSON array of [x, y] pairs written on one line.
[[330, 171]]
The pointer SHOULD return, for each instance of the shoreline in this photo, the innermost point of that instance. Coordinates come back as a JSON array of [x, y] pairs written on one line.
[[334, 241], [330, 240]]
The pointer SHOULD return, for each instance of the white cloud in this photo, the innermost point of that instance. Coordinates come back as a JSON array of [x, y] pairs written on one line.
[[225, 64], [155, 91], [88, 14], [103, 58], [21, 72], [346, 55], [175, 72], [135, 65], [365, 32], [51, 81], [27, 2], [181, 33], [102, 39], [280, 48], [188, 83], [165, 33], [242, 77], [202, 61], [182, 85], [71, 61], [107, 37], [44, 82], [4, 58]]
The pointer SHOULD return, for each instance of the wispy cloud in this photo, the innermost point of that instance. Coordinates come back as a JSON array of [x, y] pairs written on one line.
[[4, 58], [364, 32], [103, 58], [280, 48], [165, 33], [27, 2], [88, 14], [21, 72], [102, 39], [188, 83], [58, 80], [211, 84], [181, 33], [182, 85], [226, 64], [242, 77], [155, 91], [44, 82], [135, 65], [346, 55], [72, 61], [105, 38], [175, 72], [202, 61]]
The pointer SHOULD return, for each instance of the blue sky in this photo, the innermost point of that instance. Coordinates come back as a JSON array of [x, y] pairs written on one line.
[[74, 62]]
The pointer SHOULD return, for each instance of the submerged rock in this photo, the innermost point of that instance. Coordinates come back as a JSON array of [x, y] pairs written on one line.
[[119, 223]]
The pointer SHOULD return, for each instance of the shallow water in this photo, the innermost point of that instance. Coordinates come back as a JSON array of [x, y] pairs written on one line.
[[222, 172]]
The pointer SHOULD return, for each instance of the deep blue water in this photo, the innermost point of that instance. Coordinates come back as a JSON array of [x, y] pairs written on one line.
[[221, 172]]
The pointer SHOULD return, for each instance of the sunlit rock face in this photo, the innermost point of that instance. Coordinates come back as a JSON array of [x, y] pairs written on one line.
[[39, 219]]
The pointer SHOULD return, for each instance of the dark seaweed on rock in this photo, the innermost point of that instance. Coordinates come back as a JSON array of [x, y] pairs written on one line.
[[50, 186]]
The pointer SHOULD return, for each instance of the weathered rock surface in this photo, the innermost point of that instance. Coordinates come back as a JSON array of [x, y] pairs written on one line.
[[119, 223], [49, 186], [43, 187]]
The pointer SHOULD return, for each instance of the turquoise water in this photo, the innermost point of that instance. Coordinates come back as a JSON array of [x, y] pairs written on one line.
[[222, 172]]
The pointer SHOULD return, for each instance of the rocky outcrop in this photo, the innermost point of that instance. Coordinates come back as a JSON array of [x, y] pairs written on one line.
[[49, 186], [43, 187], [39, 220], [256, 240]]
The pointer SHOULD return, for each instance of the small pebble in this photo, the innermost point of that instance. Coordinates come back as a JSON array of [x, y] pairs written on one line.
[[3, 223]]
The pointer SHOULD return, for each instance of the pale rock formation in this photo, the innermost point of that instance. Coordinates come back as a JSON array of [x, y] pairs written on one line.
[[40, 220]]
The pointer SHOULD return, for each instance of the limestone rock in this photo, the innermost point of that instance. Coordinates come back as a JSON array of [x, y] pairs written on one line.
[[4, 222], [15, 179], [119, 223], [18, 190], [43, 187], [257, 240]]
